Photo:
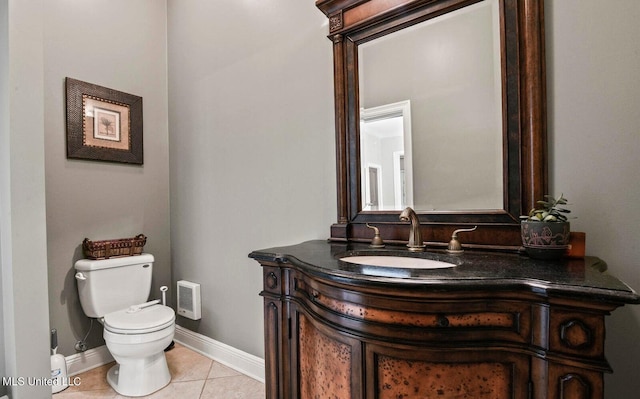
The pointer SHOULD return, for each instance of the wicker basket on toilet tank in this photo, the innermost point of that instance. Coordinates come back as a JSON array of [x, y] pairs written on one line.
[[106, 249]]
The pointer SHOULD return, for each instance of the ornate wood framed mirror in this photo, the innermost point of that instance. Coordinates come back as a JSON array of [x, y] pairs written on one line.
[[460, 161]]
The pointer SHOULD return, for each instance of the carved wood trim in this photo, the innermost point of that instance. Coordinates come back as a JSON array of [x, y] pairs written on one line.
[[341, 128], [534, 118], [273, 371], [575, 334], [272, 281], [335, 22]]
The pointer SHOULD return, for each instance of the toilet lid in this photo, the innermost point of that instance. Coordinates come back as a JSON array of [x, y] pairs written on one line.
[[146, 320]]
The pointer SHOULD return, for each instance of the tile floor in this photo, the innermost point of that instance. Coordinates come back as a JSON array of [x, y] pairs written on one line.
[[194, 376]]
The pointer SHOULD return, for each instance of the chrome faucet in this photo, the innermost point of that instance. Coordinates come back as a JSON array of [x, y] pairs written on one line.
[[415, 236]]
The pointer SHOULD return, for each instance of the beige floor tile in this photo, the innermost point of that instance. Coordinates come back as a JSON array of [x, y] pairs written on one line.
[[194, 376], [187, 365], [97, 394], [219, 370], [94, 379], [181, 390], [236, 387]]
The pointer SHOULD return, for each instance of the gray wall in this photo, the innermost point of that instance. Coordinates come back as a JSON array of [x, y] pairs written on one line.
[[22, 198], [4, 157], [119, 44], [252, 149], [594, 139]]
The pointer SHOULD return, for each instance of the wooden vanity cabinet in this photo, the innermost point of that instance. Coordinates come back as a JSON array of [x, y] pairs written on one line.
[[329, 336]]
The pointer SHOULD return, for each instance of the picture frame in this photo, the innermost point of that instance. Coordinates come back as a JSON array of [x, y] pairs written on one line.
[[103, 124]]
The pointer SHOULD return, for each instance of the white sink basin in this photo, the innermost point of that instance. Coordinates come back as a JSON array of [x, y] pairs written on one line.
[[403, 262]]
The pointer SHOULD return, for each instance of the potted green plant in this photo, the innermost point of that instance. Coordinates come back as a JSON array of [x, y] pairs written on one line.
[[546, 230]]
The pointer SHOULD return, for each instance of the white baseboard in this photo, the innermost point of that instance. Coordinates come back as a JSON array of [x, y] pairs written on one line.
[[229, 356], [90, 359], [236, 359]]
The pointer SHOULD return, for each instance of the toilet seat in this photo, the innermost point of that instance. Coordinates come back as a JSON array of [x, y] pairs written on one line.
[[144, 321]]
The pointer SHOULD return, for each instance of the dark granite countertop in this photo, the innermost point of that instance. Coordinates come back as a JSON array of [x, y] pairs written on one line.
[[474, 270]]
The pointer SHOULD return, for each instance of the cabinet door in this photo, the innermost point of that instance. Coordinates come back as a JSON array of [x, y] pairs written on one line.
[[328, 363], [452, 373], [567, 382]]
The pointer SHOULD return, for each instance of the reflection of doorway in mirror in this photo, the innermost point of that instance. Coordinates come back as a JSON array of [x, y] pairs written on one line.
[[373, 196], [385, 140], [399, 185]]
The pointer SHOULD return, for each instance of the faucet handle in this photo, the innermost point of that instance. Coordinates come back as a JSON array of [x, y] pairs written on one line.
[[376, 242], [455, 248]]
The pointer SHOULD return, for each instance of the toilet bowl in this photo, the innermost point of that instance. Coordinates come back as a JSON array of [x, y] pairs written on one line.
[[136, 332], [137, 340]]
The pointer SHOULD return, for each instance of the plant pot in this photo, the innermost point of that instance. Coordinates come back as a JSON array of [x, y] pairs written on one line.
[[545, 240]]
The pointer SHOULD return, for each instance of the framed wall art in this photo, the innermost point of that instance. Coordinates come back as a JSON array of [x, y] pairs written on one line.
[[103, 124]]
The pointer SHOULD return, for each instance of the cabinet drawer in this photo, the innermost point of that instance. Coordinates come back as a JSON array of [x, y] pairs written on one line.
[[576, 333], [455, 319]]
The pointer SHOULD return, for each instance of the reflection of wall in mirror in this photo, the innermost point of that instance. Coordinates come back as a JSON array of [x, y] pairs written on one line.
[[451, 74]]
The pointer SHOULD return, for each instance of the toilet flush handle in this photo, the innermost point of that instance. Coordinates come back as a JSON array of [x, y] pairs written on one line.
[[80, 276], [137, 308]]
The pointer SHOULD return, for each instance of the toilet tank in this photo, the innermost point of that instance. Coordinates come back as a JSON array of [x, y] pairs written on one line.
[[107, 285]]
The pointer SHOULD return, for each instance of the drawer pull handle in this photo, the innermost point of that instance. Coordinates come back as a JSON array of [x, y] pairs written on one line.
[[442, 321]]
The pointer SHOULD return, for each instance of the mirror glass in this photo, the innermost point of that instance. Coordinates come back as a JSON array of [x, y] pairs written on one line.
[[431, 114]]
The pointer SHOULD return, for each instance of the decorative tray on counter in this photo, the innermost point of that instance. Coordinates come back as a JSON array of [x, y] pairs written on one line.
[[106, 249]]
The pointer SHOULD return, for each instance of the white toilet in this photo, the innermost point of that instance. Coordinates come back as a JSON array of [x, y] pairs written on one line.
[[136, 332]]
